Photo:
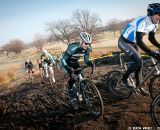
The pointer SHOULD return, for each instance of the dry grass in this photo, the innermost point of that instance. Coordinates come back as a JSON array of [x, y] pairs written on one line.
[[6, 75]]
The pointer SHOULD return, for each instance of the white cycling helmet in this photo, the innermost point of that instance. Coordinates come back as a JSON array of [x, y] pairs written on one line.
[[44, 51], [27, 60], [85, 37]]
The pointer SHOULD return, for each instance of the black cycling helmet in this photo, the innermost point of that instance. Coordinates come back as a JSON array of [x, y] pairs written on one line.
[[153, 9]]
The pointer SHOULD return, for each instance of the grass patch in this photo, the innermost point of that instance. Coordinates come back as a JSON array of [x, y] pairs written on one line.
[[6, 75]]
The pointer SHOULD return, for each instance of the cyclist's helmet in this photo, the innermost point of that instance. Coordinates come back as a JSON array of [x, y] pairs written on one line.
[[44, 51], [85, 37], [153, 9], [27, 60]]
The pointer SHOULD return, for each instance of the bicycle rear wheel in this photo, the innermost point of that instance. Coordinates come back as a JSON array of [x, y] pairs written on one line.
[[118, 90], [92, 98], [155, 110], [154, 86]]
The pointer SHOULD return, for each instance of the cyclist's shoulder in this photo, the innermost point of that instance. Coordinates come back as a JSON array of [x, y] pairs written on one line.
[[73, 47], [137, 21], [142, 20], [74, 44]]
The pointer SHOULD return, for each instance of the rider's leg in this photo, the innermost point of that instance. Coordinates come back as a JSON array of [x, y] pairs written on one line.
[[51, 72], [41, 71], [32, 73], [138, 74], [130, 51], [29, 73], [71, 80], [136, 66], [45, 66], [138, 71]]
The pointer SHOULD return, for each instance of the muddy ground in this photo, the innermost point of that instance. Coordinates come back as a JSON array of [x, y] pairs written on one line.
[[38, 105]]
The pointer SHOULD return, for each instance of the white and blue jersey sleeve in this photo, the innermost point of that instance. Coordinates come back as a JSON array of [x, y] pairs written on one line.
[[141, 24]]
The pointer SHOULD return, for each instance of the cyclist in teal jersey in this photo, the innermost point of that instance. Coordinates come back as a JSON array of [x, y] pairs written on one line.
[[73, 54], [131, 39]]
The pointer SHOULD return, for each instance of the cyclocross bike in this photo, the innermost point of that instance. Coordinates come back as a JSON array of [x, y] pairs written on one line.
[[122, 91], [84, 94]]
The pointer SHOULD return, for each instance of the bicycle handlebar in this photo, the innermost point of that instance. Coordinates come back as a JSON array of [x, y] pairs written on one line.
[[78, 71]]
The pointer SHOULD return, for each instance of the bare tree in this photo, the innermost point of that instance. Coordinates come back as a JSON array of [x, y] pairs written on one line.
[[39, 41], [113, 25], [122, 24], [15, 46], [7, 49], [61, 30], [84, 20]]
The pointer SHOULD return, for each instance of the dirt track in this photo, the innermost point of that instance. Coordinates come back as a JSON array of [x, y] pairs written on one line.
[[41, 106]]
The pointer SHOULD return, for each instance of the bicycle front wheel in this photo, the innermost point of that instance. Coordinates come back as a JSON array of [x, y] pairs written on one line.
[[154, 86], [72, 97], [92, 98], [118, 90], [155, 110]]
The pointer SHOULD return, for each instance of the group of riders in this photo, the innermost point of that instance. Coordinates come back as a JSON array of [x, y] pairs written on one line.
[[44, 64], [130, 40]]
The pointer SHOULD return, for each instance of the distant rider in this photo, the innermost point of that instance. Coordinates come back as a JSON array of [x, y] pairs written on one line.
[[29, 68], [47, 62]]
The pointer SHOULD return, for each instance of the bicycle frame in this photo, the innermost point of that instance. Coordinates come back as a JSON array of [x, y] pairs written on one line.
[[130, 79], [149, 74]]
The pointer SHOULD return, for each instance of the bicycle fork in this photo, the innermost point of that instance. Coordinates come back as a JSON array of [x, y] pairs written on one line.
[[79, 89]]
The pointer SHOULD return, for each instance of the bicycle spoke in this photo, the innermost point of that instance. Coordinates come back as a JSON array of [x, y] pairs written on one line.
[[118, 90], [154, 87], [93, 99]]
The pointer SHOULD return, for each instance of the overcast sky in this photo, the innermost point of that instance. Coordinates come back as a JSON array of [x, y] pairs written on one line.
[[23, 19]]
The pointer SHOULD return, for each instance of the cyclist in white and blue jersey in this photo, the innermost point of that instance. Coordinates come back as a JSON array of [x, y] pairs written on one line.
[[132, 36]]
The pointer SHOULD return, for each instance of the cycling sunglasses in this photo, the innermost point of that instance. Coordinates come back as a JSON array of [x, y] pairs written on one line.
[[87, 43]]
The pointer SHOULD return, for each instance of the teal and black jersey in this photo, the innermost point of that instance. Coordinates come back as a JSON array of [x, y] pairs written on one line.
[[73, 54]]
